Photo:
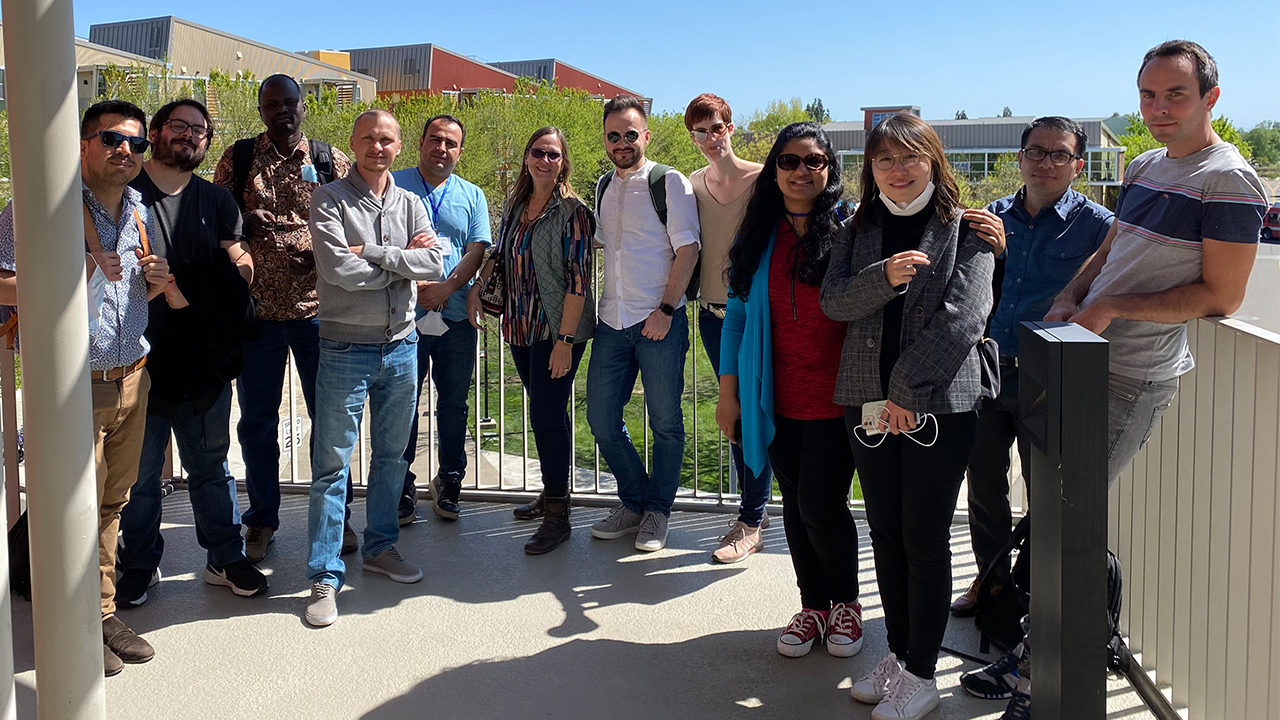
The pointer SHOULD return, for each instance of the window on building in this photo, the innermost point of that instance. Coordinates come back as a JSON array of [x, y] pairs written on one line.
[[878, 117], [1102, 166], [410, 66]]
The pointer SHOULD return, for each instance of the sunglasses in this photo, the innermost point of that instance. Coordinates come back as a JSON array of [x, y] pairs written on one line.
[[715, 131], [112, 139], [789, 162], [616, 137], [548, 155]]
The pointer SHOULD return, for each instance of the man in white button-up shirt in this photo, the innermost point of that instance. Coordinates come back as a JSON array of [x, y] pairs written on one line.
[[643, 327]]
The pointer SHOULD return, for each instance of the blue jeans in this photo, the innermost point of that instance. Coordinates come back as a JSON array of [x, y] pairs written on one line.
[[347, 374], [259, 390], [202, 442], [616, 357], [754, 490], [1133, 409], [453, 359]]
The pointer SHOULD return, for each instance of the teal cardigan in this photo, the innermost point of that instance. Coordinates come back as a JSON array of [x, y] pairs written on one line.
[[746, 350]]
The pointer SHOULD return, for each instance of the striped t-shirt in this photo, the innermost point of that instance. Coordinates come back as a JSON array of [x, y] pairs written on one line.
[[1167, 206]]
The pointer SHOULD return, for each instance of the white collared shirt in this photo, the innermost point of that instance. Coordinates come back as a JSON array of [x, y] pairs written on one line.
[[638, 250]]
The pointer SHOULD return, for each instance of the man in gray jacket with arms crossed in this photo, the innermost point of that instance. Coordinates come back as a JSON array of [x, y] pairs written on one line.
[[372, 241]]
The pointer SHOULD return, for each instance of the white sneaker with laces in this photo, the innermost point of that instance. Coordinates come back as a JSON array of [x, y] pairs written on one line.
[[909, 698], [874, 686]]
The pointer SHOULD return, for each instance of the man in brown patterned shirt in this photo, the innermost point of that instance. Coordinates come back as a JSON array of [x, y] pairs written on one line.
[[273, 185]]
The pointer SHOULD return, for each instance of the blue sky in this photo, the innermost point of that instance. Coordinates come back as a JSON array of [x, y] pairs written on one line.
[[1077, 59]]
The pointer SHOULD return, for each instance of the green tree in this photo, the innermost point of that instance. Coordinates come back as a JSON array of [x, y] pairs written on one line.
[[777, 115], [1004, 179], [670, 144], [1006, 112], [962, 115], [1264, 138], [817, 112]]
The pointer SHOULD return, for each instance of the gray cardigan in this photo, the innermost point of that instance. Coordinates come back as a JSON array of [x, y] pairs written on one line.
[[369, 299], [549, 262], [945, 313]]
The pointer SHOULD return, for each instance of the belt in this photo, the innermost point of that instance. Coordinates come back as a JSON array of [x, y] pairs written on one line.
[[119, 373], [714, 309], [1008, 361]]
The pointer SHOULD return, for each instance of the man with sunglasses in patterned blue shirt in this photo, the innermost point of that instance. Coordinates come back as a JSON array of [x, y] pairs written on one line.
[[111, 146]]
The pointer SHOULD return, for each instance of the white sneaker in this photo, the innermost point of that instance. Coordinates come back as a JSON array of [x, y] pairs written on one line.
[[874, 686], [909, 698]]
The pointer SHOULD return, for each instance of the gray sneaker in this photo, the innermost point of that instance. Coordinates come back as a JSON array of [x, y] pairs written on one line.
[[322, 608], [653, 532], [389, 563], [621, 521]]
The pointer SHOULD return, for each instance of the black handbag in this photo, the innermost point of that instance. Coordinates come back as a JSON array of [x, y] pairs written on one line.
[[989, 360], [493, 293]]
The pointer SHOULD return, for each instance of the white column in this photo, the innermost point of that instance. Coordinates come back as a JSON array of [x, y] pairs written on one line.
[[62, 497]]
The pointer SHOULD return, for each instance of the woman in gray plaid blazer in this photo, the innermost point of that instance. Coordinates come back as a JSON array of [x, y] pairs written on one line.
[[912, 277]]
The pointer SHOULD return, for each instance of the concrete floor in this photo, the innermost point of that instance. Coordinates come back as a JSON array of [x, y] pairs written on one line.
[[593, 630]]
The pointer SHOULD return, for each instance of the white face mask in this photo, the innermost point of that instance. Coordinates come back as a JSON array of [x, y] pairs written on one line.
[[912, 207]]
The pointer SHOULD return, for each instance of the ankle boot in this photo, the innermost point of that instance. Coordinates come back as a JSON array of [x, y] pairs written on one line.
[[554, 528], [531, 510]]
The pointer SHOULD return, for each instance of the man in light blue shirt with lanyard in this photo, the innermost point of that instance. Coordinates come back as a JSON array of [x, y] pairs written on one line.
[[460, 214]]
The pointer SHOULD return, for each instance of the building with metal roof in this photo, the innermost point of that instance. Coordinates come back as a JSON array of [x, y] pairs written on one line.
[[91, 60], [563, 74], [407, 70]]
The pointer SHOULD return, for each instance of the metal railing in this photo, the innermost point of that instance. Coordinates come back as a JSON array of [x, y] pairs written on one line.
[[1196, 522]]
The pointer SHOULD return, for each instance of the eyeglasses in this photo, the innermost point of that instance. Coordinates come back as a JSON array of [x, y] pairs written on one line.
[[615, 137], [112, 139], [1059, 157], [715, 131], [548, 155], [885, 163], [181, 126], [814, 162]]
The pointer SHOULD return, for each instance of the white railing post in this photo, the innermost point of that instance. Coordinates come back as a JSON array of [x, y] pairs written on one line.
[[62, 498]]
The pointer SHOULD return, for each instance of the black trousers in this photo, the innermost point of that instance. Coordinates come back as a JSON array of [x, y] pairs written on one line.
[[910, 493], [814, 467], [990, 519], [549, 411]]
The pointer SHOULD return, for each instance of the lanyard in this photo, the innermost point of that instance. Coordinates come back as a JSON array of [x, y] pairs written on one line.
[[434, 207]]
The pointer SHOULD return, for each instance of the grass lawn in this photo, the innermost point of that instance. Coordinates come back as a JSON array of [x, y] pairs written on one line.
[[703, 441]]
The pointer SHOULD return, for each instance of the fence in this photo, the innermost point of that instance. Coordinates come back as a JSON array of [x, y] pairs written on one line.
[[1196, 521]]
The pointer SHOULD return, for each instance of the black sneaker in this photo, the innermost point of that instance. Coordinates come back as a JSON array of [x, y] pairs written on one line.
[[1019, 707], [408, 508], [446, 498], [131, 588], [998, 680], [241, 576]]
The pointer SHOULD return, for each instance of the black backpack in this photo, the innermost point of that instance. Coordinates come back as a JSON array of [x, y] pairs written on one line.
[[999, 614], [242, 161], [658, 196]]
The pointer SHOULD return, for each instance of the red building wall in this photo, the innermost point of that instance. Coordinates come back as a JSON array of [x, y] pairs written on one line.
[[570, 77], [454, 72]]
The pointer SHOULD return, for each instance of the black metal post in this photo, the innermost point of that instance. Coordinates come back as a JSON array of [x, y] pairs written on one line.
[[1063, 396]]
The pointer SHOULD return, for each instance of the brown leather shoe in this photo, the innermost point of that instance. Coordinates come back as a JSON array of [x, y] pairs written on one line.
[[350, 542], [530, 511], [111, 663], [964, 606], [553, 530], [124, 642]]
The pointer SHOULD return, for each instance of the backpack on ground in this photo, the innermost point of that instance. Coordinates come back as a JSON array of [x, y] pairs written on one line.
[[20, 557], [999, 614], [658, 196], [242, 161]]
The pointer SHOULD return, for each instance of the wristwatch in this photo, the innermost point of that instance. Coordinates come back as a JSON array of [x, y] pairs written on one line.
[[667, 309], [566, 339]]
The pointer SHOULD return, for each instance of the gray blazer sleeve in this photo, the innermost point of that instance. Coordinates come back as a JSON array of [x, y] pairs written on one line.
[[848, 296], [952, 333]]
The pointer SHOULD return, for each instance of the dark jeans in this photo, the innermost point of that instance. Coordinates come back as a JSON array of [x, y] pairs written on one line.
[[910, 493], [259, 389], [617, 356], [815, 469], [453, 360], [202, 442], [548, 411], [754, 490], [990, 519]]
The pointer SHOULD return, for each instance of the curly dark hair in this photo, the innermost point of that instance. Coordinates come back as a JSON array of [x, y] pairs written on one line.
[[765, 209]]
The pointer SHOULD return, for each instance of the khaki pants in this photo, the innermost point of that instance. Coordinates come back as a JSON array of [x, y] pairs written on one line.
[[119, 423]]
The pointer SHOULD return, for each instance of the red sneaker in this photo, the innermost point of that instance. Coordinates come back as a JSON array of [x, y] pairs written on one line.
[[844, 630], [805, 627]]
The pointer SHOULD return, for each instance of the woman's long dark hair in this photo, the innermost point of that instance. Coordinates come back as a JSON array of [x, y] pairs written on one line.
[[766, 208]]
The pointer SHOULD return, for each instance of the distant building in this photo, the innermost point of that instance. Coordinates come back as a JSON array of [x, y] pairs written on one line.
[[192, 51], [407, 70], [565, 75], [91, 61], [973, 146]]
